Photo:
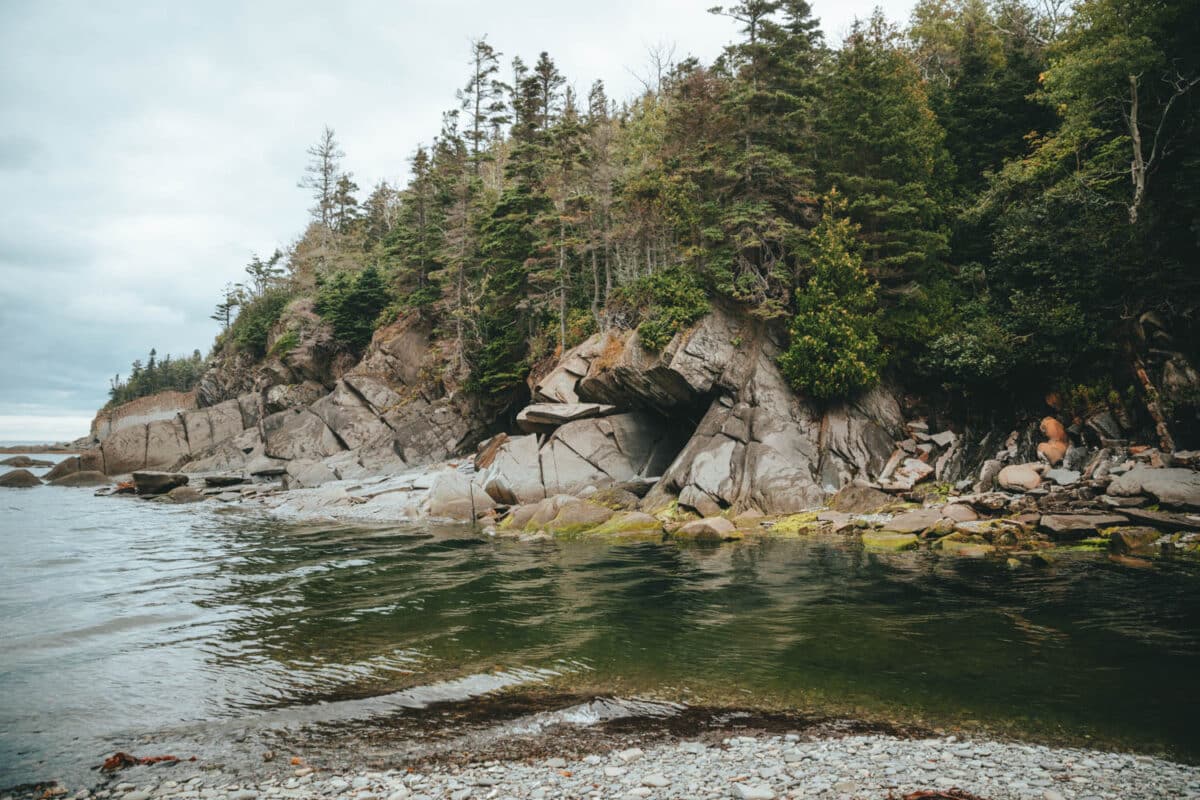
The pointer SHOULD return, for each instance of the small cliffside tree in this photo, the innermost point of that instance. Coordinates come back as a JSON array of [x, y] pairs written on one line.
[[834, 350]]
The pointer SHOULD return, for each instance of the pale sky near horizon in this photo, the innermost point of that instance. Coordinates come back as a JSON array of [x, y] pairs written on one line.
[[147, 149]]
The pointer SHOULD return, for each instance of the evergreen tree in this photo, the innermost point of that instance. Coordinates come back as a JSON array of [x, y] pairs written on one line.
[[834, 351]]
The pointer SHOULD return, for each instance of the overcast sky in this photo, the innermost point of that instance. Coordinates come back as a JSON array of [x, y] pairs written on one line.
[[148, 148]]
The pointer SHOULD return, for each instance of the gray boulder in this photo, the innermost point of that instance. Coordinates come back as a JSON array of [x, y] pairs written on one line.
[[514, 475], [1176, 487], [453, 495], [604, 451]]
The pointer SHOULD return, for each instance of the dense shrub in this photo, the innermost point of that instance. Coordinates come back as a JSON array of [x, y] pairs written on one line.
[[664, 304], [252, 327], [352, 303]]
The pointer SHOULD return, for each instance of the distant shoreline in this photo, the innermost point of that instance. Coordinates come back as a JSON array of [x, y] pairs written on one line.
[[57, 447]]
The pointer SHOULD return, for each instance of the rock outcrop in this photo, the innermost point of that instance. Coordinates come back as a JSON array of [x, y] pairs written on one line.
[[19, 479], [712, 411], [305, 414]]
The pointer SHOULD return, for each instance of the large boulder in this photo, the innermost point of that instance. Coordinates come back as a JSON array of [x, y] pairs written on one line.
[[150, 482], [1020, 477], [859, 499], [560, 385], [708, 529], [454, 495], [1178, 488], [19, 479], [514, 475], [87, 461]]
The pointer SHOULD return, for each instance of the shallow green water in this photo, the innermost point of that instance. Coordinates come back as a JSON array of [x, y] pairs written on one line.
[[119, 618]]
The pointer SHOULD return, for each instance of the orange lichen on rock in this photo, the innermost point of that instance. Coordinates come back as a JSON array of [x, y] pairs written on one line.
[[1055, 448]]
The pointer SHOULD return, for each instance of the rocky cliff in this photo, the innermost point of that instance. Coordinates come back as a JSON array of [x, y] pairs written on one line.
[[307, 415], [707, 425]]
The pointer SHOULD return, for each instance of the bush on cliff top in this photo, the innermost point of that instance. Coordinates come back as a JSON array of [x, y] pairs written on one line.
[[664, 303], [250, 331]]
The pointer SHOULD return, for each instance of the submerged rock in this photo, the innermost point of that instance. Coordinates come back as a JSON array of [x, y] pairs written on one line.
[[889, 540], [87, 478]]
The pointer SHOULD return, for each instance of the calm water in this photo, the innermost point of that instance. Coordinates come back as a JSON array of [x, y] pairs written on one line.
[[120, 618]]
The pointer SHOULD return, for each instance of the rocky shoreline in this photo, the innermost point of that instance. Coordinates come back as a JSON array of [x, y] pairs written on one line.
[[750, 767]]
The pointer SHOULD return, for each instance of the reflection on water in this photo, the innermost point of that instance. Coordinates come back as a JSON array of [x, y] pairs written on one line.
[[119, 617]]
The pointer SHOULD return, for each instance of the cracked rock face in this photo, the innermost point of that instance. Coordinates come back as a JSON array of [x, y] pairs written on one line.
[[755, 444]]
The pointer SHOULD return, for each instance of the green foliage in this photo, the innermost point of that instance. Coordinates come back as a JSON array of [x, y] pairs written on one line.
[[285, 344], [252, 327], [834, 351], [1020, 188], [169, 374], [351, 303], [664, 303]]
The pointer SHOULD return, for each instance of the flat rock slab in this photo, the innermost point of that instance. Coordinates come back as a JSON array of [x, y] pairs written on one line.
[[1173, 487], [223, 480], [1077, 526], [545, 417], [1162, 520], [1063, 477]]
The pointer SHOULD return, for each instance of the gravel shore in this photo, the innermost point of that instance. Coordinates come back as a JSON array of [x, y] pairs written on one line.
[[759, 768]]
